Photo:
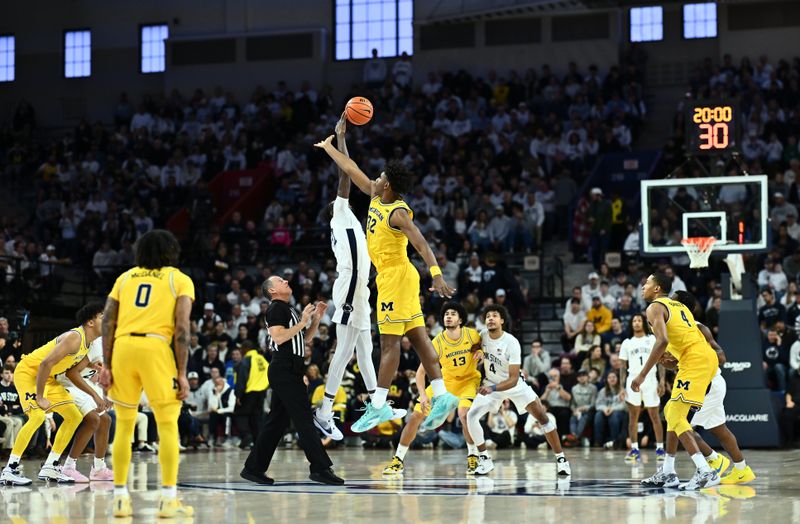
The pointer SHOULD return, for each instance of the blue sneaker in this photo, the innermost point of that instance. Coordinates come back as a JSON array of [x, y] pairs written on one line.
[[441, 407], [661, 455], [633, 456], [372, 417]]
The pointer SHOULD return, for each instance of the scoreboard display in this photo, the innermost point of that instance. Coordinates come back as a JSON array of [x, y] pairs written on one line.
[[711, 128]]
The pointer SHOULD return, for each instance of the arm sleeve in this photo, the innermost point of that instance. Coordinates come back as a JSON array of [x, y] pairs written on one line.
[[340, 205]]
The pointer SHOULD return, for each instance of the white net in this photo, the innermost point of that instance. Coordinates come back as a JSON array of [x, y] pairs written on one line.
[[699, 250]]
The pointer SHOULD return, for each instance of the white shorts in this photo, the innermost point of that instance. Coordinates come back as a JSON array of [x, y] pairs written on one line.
[[521, 395], [712, 414], [357, 313], [84, 401], [647, 394]]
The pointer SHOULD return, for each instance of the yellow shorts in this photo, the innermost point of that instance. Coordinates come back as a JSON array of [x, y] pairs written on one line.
[[696, 369], [25, 382], [465, 390], [143, 363], [398, 308]]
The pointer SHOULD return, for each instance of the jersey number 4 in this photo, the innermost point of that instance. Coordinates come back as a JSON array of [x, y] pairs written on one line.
[[491, 367], [143, 295], [683, 316]]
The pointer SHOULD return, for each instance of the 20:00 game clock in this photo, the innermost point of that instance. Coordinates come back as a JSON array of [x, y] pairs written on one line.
[[711, 128]]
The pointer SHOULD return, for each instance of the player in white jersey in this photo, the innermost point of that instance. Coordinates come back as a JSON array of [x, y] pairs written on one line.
[[502, 361], [634, 353], [96, 421], [350, 298]]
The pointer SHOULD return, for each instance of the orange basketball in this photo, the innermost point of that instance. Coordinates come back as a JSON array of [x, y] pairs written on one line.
[[358, 110]]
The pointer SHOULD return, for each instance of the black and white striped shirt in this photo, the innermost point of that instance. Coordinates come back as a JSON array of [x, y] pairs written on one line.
[[280, 313]]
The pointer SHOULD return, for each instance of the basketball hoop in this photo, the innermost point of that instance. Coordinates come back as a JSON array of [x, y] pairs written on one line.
[[699, 249]]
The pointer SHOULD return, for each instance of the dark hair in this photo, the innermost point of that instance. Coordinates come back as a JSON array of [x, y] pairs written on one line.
[[88, 312], [8, 367], [663, 281], [538, 341], [686, 298], [455, 306], [156, 249], [502, 311], [398, 176], [645, 325]]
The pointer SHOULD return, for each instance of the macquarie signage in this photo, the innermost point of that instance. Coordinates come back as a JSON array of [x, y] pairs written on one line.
[[751, 417]]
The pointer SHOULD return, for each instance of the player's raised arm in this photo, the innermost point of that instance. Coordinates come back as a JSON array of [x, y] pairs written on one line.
[[347, 165], [343, 190], [656, 317], [68, 343], [401, 220]]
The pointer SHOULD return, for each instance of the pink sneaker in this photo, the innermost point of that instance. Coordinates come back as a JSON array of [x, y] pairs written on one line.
[[74, 474], [101, 475]]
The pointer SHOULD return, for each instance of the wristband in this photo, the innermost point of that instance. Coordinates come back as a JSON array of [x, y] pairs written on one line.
[[494, 387], [436, 271]]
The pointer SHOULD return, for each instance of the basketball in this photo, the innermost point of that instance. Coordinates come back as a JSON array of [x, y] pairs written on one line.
[[358, 110]]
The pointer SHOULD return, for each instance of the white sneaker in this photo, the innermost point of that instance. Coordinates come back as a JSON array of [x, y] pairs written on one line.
[[562, 467], [701, 479], [53, 473], [485, 465], [13, 477], [399, 413], [661, 480], [327, 426]]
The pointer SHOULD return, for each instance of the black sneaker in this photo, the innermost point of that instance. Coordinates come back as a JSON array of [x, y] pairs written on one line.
[[326, 476], [258, 478]]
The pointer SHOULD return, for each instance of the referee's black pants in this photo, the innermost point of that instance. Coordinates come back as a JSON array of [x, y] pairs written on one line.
[[289, 403]]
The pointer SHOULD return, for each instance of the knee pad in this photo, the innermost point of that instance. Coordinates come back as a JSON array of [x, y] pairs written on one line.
[[547, 428]]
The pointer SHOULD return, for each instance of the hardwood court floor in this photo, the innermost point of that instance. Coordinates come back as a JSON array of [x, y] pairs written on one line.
[[434, 489]]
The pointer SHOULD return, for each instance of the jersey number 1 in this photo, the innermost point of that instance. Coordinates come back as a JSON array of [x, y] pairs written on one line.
[[143, 295]]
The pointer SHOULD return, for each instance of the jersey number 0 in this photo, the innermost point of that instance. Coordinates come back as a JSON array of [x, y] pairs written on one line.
[[143, 295]]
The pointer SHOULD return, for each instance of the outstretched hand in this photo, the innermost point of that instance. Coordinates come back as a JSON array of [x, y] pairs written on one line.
[[341, 126], [325, 143], [441, 287]]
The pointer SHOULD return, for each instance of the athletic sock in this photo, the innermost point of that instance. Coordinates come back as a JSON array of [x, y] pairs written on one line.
[[169, 492], [120, 491], [326, 410], [713, 455], [659, 445], [52, 458], [560, 455], [379, 398], [13, 459], [437, 385], [635, 446], [401, 452], [669, 464], [700, 462], [740, 465], [70, 462], [472, 449], [99, 463]]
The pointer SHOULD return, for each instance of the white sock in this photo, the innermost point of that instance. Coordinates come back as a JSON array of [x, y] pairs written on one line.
[[437, 385], [379, 398], [326, 410], [52, 458], [700, 462], [169, 492], [120, 491], [713, 455], [635, 446], [70, 462], [401, 452], [560, 455], [740, 465], [13, 459], [669, 464], [99, 463], [472, 449], [659, 445]]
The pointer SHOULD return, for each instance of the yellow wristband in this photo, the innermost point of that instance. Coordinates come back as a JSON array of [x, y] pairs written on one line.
[[436, 271]]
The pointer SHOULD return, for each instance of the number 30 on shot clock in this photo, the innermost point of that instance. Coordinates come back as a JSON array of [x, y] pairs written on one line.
[[711, 128]]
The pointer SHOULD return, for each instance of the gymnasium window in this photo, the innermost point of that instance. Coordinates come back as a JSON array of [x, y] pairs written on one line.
[[363, 25], [7, 52], [77, 53], [153, 50], [700, 20], [647, 24]]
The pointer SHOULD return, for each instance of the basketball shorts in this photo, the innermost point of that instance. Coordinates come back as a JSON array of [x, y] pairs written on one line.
[[25, 382], [465, 390], [712, 414], [84, 401], [647, 394], [398, 308], [695, 371], [143, 363], [521, 395]]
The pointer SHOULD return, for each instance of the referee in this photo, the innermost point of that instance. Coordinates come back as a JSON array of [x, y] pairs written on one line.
[[289, 392]]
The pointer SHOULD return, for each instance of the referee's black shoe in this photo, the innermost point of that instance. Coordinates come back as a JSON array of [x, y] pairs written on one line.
[[258, 478], [326, 476]]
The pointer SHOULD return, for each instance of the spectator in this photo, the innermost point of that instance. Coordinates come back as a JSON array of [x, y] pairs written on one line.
[[594, 360], [586, 339], [600, 315], [780, 210], [584, 395], [500, 427], [221, 406], [591, 289], [374, 71], [574, 323], [776, 360], [772, 276], [613, 337], [611, 416], [11, 414], [401, 71], [558, 401], [535, 366], [772, 311], [251, 389], [210, 360], [409, 361]]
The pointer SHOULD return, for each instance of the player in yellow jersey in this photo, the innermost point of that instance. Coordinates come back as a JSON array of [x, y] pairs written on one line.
[[148, 307], [389, 230], [39, 393], [459, 351], [675, 330]]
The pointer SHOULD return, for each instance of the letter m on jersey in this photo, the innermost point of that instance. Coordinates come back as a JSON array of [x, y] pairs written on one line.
[[30, 396], [387, 306], [684, 385]]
